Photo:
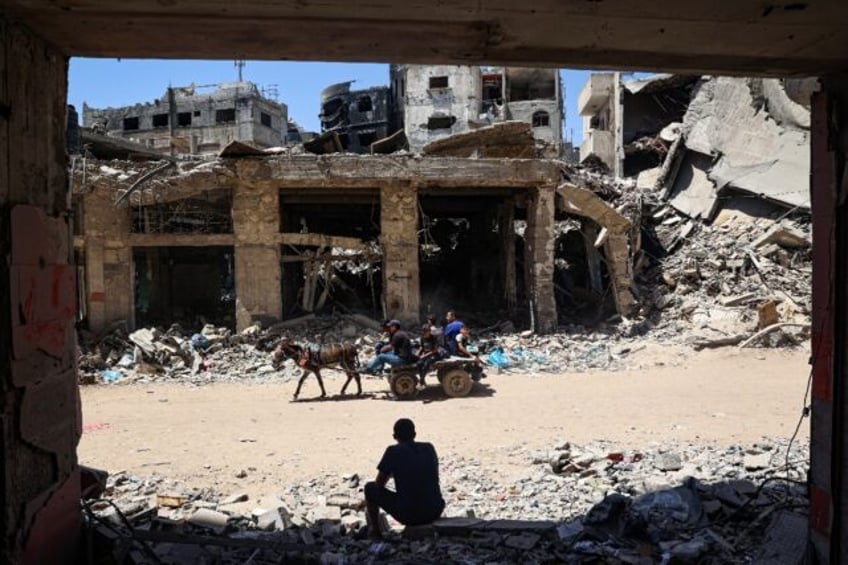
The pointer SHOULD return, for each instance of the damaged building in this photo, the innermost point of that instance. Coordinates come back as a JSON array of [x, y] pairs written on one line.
[[436, 101], [358, 117], [623, 119], [196, 120]]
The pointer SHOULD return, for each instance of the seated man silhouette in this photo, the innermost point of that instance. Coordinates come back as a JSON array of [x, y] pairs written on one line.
[[414, 466]]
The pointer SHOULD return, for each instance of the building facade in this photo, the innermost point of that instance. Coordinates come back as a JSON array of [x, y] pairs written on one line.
[[359, 117], [435, 101], [188, 120]]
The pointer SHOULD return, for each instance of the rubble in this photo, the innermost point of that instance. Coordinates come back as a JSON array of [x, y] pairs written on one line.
[[627, 510]]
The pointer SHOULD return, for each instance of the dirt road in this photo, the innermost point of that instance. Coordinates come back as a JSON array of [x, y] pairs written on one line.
[[206, 436]]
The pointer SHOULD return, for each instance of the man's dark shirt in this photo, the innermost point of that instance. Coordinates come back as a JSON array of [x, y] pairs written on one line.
[[401, 345], [429, 343], [415, 469]]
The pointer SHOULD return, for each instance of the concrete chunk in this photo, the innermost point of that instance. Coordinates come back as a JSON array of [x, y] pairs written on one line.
[[783, 236], [211, 519]]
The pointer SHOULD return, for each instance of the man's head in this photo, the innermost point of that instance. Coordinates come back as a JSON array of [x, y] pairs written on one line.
[[404, 430], [464, 331], [425, 330], [392, 326], [450, 316]]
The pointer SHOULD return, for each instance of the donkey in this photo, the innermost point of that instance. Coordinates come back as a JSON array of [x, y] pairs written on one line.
[[312, 358]]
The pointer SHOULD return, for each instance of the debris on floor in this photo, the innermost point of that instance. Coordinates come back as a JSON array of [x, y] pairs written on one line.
[[575, 504]]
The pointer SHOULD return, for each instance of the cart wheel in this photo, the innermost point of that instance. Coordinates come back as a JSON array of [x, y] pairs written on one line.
[[457, 383], [404, 386]]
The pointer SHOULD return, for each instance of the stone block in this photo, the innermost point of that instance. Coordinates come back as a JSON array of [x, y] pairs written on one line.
[[211, 519]]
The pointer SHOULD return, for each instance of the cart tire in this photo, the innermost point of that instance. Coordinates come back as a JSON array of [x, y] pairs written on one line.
[[404, 386], [457, 383]]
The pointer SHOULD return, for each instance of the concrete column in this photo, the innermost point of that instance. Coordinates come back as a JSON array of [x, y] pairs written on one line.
[[256, 227], [539, 257], [506, 226], [40, 409], [399, 239], [108, 261], [593, 257]]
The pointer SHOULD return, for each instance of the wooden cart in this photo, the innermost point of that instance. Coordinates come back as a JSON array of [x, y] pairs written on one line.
[[457, 376]]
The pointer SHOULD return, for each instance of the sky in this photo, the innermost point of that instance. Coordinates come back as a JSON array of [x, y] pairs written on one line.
[[122, 82]]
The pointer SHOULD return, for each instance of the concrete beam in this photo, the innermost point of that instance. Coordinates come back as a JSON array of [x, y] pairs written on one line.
[[583, 202], [745, 37]]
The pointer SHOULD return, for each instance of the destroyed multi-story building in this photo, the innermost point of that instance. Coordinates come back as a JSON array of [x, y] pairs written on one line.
[[358, 117], [621, 119], [196, 120], [435, 101]]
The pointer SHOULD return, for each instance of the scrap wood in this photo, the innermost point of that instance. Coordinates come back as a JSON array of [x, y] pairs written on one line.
[[769, 329]]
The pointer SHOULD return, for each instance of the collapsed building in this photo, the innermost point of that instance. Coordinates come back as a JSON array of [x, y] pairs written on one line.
[[196, 120], [435, 101], [478, 220], [358, 117], [257, 238]]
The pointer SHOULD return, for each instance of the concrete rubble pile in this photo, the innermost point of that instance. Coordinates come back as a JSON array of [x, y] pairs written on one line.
[[573, 504]]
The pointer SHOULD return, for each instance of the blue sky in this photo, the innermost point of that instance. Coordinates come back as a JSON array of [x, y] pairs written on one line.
[[121, 82]]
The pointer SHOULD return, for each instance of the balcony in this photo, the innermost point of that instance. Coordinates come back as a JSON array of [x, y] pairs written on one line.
[[596, 93], [601, 144]]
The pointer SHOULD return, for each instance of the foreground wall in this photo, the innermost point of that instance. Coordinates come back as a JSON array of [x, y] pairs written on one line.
[[40, 413]]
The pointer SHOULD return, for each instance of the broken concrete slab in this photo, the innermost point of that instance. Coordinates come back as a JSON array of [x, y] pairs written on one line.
[[730, 117], [505, 140], [784, 236], [786, 539], [690, 191]]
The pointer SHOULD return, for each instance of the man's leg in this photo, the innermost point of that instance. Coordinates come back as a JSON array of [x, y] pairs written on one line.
[[377, 497]]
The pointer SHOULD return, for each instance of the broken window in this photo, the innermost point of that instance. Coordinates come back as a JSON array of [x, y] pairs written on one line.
[[209, 212], [197, 113], [438, 82], [228, 115], [321, 275], [531, 84], [184, 119], [367, 138], [130, 123], [364, 104], [441, 122], [181, 284], [265, 119], [160, 120], [541, 119]]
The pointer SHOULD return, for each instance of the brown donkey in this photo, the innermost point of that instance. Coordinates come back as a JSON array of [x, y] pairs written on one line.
[[313, 358]]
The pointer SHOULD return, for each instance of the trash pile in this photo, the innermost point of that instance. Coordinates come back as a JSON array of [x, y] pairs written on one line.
[[576, 504]]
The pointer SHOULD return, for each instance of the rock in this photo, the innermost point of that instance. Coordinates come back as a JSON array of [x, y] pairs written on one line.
[[333, 513], [205, 518], [276, 519], [232, 499], [756, 462], [522, 541], [668, 462]]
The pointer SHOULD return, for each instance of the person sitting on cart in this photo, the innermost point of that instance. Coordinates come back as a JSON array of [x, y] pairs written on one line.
[[429, 352], [464, 347], [397, 352], [436, 331], [452, 329]]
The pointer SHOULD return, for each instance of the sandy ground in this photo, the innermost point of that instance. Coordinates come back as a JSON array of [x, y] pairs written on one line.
[[204, 436]]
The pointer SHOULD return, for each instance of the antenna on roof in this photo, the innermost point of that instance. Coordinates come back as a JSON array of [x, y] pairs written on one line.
[[239, 64]]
